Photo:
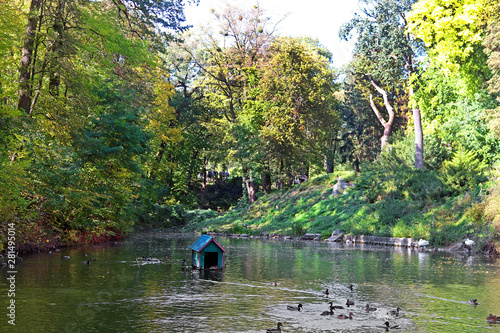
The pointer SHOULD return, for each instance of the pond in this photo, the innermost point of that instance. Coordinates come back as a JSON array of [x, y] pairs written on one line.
[[117, 293]]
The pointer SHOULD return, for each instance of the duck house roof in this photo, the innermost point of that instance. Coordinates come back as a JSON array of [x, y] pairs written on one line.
[[202, 242]]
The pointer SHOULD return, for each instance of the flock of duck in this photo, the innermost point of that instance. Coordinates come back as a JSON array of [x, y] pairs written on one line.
[[386, 325]]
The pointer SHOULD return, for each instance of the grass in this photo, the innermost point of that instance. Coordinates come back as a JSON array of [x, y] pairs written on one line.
[[407, 203]]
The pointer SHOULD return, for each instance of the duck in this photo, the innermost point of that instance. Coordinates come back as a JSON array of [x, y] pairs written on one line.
[[343, 316], [492, 319], [274, 284], [294, 308], [327, 313], [326, 292], [272, 330], [473, 302], [389, 326], [468, 244], [395, 313], [368, 308], [349, 303], [350, 287], [422, 243]]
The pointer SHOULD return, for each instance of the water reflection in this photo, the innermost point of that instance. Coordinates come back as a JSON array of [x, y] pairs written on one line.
[[123, 291]]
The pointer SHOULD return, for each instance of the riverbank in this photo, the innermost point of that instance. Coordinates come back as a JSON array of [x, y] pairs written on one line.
[[408, 243], [406, 205]]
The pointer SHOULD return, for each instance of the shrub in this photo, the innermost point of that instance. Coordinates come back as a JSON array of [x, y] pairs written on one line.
[[465, 171], [298, 228]]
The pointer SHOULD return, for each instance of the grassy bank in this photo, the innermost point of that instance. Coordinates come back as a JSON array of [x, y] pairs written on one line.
[[402, 202]]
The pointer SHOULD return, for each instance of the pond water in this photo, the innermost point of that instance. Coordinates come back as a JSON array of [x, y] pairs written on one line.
[[116, 293]]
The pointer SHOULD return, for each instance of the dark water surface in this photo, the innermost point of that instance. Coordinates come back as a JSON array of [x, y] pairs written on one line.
[[114, 294]]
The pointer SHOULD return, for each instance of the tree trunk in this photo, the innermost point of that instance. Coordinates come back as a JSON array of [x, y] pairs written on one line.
[[247, 176], [158, 158], [25, 89], [419, 137], [266, 180], [386, 124], [191, 169]]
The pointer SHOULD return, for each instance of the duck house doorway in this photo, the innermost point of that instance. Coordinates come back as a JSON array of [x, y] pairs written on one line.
[[211, 259]]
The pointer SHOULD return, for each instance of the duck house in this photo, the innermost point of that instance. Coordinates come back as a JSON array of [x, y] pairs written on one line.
[[207, 253]]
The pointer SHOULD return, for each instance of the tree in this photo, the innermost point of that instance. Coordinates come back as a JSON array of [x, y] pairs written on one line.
[[451, 86], [238, 48], [491, 43], [384, 46], [450, 30], [298, 109], [77, 130]]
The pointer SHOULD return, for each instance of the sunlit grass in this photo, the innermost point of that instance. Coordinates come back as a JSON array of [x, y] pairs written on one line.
[[405, 205]]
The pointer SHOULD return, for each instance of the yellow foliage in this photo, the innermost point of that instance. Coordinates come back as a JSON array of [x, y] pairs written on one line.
[[450, 29], [492, 207]]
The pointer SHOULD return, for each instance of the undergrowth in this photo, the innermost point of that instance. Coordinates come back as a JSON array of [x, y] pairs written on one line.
[[397, 202]]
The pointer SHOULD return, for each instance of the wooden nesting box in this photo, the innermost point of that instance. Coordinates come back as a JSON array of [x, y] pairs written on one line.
[[207, 254]]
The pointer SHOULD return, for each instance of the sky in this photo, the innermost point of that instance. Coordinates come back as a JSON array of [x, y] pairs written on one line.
[[319, 19]]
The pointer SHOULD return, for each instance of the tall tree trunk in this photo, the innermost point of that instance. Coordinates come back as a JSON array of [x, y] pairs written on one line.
[[419, 137], [247, 176], [191, 169], [158, 158], [266, 180], [329, 159], [25, 89], [386, 124]]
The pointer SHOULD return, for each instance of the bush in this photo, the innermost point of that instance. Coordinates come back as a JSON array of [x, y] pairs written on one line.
[[165, 216], [465, 171], [298, 228], [222, 195]]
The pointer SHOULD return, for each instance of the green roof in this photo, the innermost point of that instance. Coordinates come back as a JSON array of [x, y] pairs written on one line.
[[202, 242]]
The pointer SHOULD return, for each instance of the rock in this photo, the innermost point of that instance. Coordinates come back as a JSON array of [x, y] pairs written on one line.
[[336, 236], [311, 236], [339, 187]]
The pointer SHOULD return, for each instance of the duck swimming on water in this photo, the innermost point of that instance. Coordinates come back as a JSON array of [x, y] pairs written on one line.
[[343, 316], [326, 292], [349, 303], [335, 306], [395, 313], [368, 308], [294, 308], [274, 330], [329, 312], [388, 326], [493, 319]]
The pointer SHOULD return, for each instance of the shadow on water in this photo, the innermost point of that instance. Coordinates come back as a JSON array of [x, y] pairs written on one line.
[[140, 286]]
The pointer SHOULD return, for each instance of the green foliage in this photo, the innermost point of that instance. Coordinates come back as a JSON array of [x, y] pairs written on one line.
[[382, 43], [464, 171], [297, 228], [395, 200], [451, 30], [165, 216], [222, 195], [238, 228]]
